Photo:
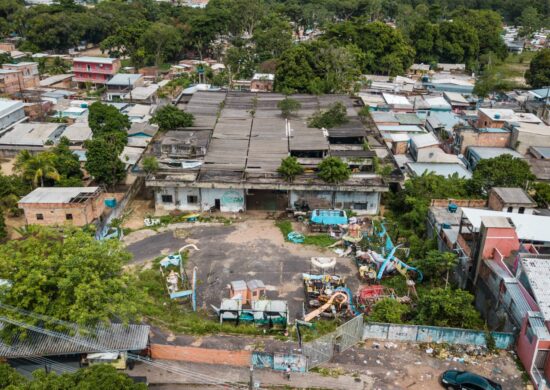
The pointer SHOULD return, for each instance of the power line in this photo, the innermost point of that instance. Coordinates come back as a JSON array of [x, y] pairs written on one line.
[[177, 370]]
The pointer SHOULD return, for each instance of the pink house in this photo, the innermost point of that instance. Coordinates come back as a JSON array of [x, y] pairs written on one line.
[[512, 291], [95, 70]]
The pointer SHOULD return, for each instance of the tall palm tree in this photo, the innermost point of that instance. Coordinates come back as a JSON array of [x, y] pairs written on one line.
[[36, 168]]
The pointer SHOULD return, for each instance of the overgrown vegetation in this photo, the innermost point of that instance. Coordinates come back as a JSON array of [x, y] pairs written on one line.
[[290, 168], [170, 117], [335, 115], [320, 240], [333, 170]]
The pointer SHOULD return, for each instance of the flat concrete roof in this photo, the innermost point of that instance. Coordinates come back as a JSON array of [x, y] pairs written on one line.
[[31, 133], [538, 274], [95, 60]]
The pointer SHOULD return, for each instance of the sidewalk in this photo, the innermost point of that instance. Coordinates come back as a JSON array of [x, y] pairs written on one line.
[[234, 375]]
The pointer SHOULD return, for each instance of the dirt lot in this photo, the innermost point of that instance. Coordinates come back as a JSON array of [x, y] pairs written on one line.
[[252, 249]]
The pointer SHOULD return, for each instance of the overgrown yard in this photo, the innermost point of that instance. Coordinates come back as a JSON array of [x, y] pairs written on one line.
[[513, 68], [320, 240]]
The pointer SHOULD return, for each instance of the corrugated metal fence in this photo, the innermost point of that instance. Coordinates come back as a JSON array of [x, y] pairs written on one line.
[[425, 334]]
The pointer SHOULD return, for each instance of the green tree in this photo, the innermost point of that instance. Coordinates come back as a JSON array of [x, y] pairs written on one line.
[[488, 25], [3, 229], [538, 74], [318, 67], [12, 188], [290, 168], [542, 194], [388, 310], [101, 376], [436, 264], [68, 275], [449, 308], [333, 170], [103, 162], [272, 37], [530, 21], [150, 164], [161, 41], [385, 48], [501, 171], [10, 377], [457, 42], [288, 106], [335, 115], [36, 168], [67, 163], [108, 122], [170, 117]]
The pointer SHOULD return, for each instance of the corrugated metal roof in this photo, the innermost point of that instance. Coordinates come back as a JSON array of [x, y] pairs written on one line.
[[116, 337]]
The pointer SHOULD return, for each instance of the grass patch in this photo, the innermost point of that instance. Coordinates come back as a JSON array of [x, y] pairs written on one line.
[[319, 240], [332, 372], [319, 328], [177, 316], [514, 65]]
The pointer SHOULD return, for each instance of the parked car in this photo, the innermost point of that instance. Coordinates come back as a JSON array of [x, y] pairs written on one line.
[[464, 380]]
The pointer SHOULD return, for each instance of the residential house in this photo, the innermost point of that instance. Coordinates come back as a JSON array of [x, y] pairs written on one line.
[[524, 135], [452, 68], [10, 82], [94, 70], [77, 206], [475, 154], [11, 111], [122, 84], [32, 136], [539, 160], [145, 95], [58, 81], [497, 117], [419, 69], [27, 73], [397, 103], [262, 82], [511, 200], [78, 133], [464, 137], [457, 100], [440, 169], [422, 141]]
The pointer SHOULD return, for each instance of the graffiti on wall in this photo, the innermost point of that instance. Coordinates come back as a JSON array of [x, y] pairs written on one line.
[[232, 197]]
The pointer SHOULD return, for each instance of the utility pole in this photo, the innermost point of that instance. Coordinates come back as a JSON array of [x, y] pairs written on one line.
[[251, 383]]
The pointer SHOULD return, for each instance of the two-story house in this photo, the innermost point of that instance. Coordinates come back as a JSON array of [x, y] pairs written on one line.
[[94, 70]]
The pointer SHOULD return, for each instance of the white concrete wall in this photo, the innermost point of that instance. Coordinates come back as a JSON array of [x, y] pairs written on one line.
[[11, 118], [516, 210], [231, 201], [179, 199]]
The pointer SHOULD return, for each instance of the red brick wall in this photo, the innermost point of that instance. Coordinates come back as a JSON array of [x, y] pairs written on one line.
[[201, 355], [474, 138], [476, 203]]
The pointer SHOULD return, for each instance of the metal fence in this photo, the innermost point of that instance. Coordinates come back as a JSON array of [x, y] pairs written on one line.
[[322, 350], [435, 334]]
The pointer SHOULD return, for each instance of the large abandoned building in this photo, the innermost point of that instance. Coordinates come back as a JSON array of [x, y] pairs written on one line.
[[228, 160]]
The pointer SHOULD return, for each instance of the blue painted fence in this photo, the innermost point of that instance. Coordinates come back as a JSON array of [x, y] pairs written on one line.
[[435, 334]]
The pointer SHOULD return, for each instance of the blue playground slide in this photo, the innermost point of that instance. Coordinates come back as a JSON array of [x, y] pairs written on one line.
[[391, 257], [350, 300]]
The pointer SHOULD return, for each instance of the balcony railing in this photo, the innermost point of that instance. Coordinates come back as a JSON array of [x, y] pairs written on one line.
[[540, 381], [83, 69]]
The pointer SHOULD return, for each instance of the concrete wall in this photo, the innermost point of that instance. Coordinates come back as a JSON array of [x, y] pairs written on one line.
[[342, 200], [435, 334], [230, 200], [9, 119], [179, 199], [474, 138], [56, 214], [521, 141]]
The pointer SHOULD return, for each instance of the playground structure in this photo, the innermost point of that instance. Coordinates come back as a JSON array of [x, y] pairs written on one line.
[[369, 295], [176, 280], [374, 265], [261, 311], [325, 290]]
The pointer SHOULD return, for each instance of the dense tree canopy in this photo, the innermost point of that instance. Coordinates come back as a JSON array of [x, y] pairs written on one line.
[[502, 171], [100, 376], [69, 276], [170, 117], [538, 74]]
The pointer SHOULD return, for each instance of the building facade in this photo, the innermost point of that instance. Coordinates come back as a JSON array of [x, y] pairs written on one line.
[[94, 70]]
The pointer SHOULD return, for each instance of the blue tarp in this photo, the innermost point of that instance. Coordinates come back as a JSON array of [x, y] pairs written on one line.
[[329, 217]]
